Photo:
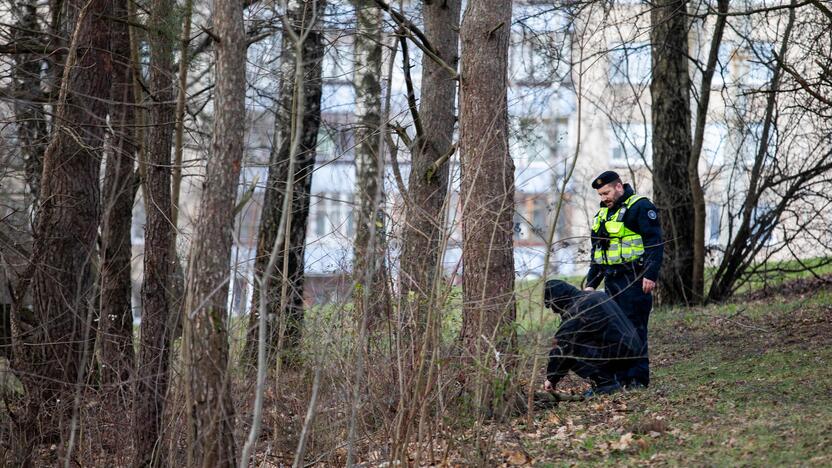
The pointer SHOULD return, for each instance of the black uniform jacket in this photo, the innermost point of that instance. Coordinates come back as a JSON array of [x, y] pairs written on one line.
[[642, 218], [593, 328]]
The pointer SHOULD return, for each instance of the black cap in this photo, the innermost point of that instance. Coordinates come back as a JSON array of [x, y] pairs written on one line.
[[605, 178]]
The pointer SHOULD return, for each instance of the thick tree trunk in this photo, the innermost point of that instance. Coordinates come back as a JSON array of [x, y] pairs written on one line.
[[300, 14], [56, 340], [428, 182], [209, 407], [368, 251], [487, 194], [670, 92], [152, 368], [424, 210], [697, 192], [116, 319]]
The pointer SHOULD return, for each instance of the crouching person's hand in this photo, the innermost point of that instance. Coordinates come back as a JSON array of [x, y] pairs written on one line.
[[548, 386]]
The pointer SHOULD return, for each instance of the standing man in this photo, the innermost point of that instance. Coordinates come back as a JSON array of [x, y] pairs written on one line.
[[626, 255]]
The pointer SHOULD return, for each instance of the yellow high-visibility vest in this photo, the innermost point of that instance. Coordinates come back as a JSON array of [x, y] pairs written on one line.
[[625, 244]]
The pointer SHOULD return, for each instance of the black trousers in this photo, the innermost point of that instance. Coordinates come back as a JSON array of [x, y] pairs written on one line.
[[624, 285], [587, 363]]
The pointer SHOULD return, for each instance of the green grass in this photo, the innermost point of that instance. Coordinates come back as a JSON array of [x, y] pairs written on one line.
[[745, 384], [774, 274]]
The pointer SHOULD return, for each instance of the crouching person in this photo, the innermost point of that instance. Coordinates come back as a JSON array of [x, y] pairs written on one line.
[[595, 340]]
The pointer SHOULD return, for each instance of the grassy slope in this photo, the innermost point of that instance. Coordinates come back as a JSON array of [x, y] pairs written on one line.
[[737, 384]]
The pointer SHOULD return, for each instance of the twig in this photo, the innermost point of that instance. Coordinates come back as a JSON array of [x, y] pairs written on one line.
[[802, 82], [415, 33], [310, 417], [210, 34], [431, 171], [411, 93]]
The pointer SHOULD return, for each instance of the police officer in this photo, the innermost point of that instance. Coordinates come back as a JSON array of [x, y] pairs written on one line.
[[595, 339], [626, 255]]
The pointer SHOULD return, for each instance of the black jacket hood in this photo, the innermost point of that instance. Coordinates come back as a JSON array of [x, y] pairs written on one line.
[[559, 295]]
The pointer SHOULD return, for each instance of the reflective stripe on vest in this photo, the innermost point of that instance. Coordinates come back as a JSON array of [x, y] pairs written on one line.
[[626, 245]]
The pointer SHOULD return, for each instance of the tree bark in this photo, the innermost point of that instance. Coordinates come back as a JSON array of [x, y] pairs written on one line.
[[152, 368], [670, 93], [428, 182], [300, 15], [697, 191], [368, 250], [56, 339], [487, 195], [209, 406], [116, 319]]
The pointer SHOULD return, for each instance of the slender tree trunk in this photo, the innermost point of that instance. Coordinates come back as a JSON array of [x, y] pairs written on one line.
[[487, 194], [745, 244], [301, 16], [697, 192], [368, 251], [670, 92], [116, 318], [210, 411], [428, 182], [152, 369], [426, 196], [56, 339], [29, 114]]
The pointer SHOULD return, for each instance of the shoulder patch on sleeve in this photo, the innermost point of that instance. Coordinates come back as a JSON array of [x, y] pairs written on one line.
[[652, 214]]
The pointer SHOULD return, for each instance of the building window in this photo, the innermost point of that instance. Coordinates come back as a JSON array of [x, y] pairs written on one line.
[[337, 62], [534, 58], [630, 63], [532, 140], [530, 218], [539, 214], [723, 64], [714, 143], [752, 138], [321, 226], [759, 63], [333, 215], [714, 222], [630, 143]]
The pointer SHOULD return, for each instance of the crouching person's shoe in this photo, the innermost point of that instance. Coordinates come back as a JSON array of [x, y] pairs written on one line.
[[602, 390]]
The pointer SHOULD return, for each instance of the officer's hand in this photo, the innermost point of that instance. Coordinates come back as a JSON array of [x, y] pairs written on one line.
[[648, 285], [589, 288], [548, 386]]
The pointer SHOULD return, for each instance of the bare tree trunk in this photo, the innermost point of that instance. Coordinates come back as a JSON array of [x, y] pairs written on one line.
[[425, 201], [29, 114], [152, 369], [300, 16], [697, 192], [487, 194], [116, 321], [368, 251], [56, 339], [428, 182], [209, 406], [746, 242], [670, 93]]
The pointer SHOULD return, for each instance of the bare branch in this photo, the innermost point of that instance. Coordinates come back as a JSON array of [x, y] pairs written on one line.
[[411, 93], [802, 81]]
